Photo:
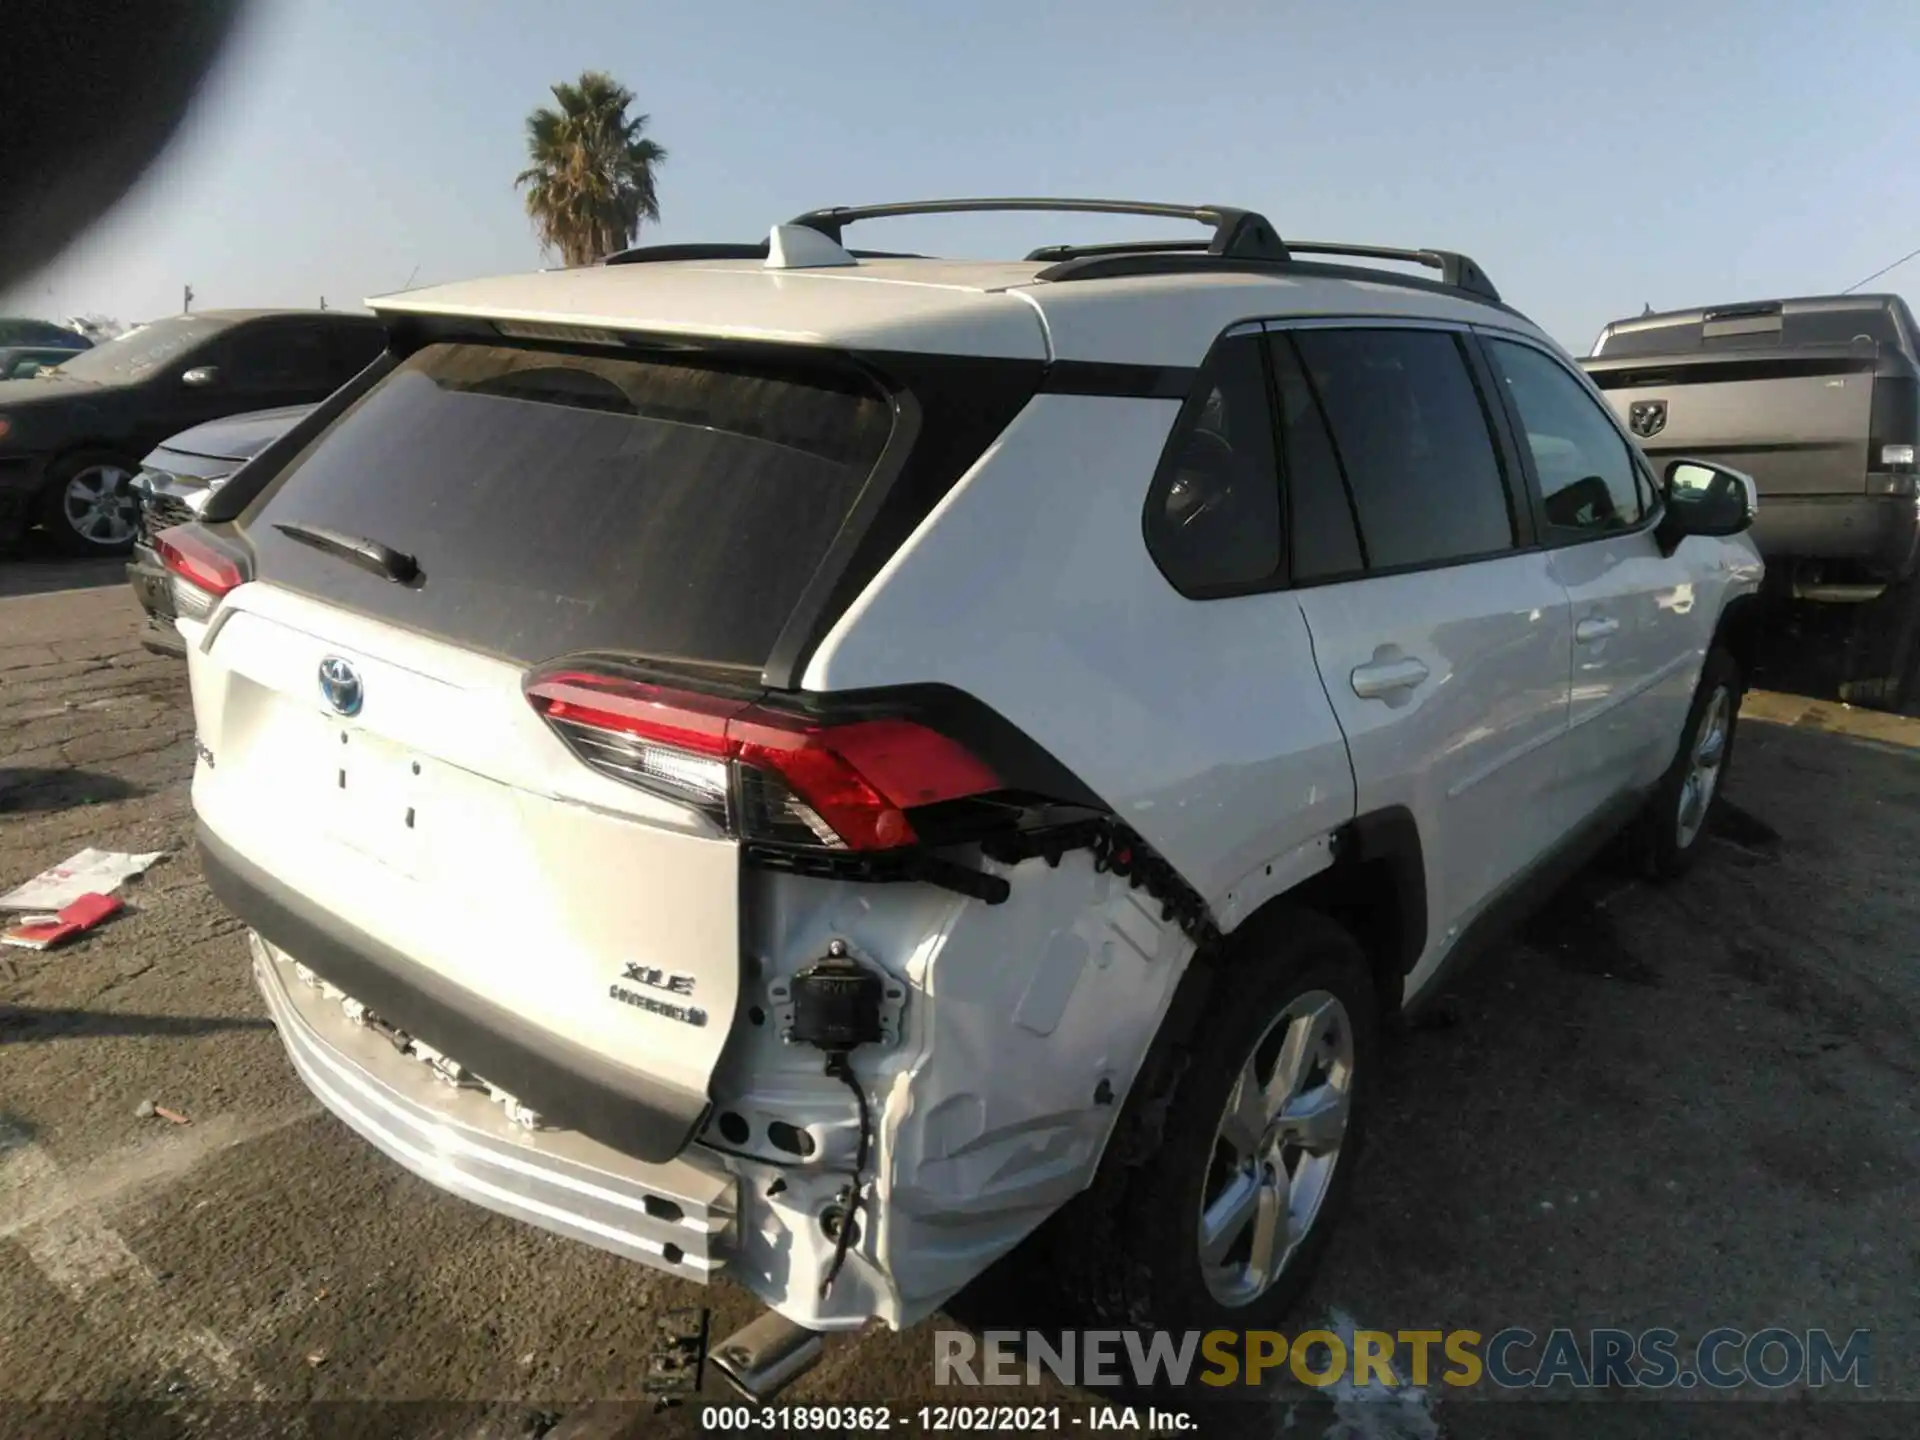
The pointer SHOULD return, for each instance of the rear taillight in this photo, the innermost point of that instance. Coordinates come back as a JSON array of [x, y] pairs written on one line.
[[201, 571], [766, 774]]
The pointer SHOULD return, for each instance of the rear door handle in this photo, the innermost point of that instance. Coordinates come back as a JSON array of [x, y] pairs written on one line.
[[1598, 628], [1381, 678]]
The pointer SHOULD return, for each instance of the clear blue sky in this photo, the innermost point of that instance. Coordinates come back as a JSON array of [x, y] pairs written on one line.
[[1592, 156]]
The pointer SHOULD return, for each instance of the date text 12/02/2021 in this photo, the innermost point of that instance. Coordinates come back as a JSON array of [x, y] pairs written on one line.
[[940, 1419]]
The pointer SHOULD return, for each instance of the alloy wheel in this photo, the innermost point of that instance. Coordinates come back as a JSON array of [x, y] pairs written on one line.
[[1276, 1147], [99, 504], [1704, 765]]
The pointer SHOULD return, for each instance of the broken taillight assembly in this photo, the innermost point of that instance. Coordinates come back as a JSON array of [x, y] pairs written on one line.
[[765, 774], [201, 571]]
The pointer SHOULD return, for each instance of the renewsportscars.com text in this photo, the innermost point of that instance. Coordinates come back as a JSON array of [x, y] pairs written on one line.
[[1512, 1358]]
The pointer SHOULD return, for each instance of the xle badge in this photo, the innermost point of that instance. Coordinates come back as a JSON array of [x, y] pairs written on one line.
[[668, 982]]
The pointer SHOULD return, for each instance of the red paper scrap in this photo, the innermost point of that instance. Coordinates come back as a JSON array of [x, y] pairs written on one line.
[[82, 915]]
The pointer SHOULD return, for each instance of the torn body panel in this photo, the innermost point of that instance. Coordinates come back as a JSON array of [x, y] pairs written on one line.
[[1022, 1028]]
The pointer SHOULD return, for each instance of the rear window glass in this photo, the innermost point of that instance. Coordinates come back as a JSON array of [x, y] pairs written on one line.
[[1841, 327], [1736, 331], [1654, 340], [559, 502]]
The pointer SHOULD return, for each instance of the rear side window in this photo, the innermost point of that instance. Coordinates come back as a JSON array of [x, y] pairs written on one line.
[[1413, 443], [1586, 471], [559, 502], [1213, 510]]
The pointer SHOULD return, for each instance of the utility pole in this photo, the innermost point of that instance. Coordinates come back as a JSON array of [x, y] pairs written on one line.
[[186, 299]]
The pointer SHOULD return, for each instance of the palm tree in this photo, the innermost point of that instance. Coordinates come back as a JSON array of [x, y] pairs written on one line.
[[591, 183]]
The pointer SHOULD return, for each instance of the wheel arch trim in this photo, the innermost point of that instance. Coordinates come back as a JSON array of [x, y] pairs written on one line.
[[1380, 851]]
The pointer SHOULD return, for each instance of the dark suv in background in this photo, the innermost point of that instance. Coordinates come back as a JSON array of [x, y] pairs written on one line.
[[1818, 399], [71, 440], [174, 484], [27, 345]]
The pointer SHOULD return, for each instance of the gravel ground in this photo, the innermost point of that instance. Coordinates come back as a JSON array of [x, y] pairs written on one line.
[[1685, 1107]]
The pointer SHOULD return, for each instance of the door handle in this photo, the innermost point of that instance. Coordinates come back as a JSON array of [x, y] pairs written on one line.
[[1381, 678], [1598, 628]]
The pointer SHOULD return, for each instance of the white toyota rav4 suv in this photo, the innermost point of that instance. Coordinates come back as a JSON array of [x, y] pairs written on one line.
[[802, 762]]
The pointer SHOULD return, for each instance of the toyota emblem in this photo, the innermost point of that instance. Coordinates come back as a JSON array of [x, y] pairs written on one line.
[[340, 683]]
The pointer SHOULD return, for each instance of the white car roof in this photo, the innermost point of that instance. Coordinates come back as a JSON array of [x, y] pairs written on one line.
[[954, 307], [925, 305]]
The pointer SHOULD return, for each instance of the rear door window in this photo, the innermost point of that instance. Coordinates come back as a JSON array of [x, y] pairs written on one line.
[[1413, 443], [275, 358], [1322, 521], [560, 502]]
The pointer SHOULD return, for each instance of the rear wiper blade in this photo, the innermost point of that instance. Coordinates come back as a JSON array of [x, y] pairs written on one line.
[[382, 560]]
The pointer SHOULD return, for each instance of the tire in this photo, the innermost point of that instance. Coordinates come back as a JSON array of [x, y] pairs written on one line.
[[1665, 840], [1130, 1248], [64, 507]]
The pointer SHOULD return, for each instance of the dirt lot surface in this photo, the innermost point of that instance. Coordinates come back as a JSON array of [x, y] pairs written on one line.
[[1686, 1107]]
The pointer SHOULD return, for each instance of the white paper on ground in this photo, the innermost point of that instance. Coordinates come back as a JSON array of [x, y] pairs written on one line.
[[89, 872]]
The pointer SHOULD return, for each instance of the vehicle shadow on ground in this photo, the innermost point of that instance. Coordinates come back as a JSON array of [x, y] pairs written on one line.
[[23, 1024], [34, 791], [35, 569], [1850, 653], [15, 1133]]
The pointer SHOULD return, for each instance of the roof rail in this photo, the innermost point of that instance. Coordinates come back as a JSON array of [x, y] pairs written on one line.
[[1459, 274], [1237, 234], [1117, 247], [1456, 270], [726, 250], [715, 250], [1241, 238]]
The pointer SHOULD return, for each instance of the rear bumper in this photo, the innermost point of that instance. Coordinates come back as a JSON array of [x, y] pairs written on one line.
[[633, 1113], [149, 580], [151, 588], [163, 638], [678, 1216], [1881, 532]]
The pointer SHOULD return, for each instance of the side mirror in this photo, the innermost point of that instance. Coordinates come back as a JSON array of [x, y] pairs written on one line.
[[1706, 499], [201, 375]]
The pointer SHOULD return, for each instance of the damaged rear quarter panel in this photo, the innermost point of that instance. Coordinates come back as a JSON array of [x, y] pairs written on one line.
[[1200, 722], [1023, 1028]]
